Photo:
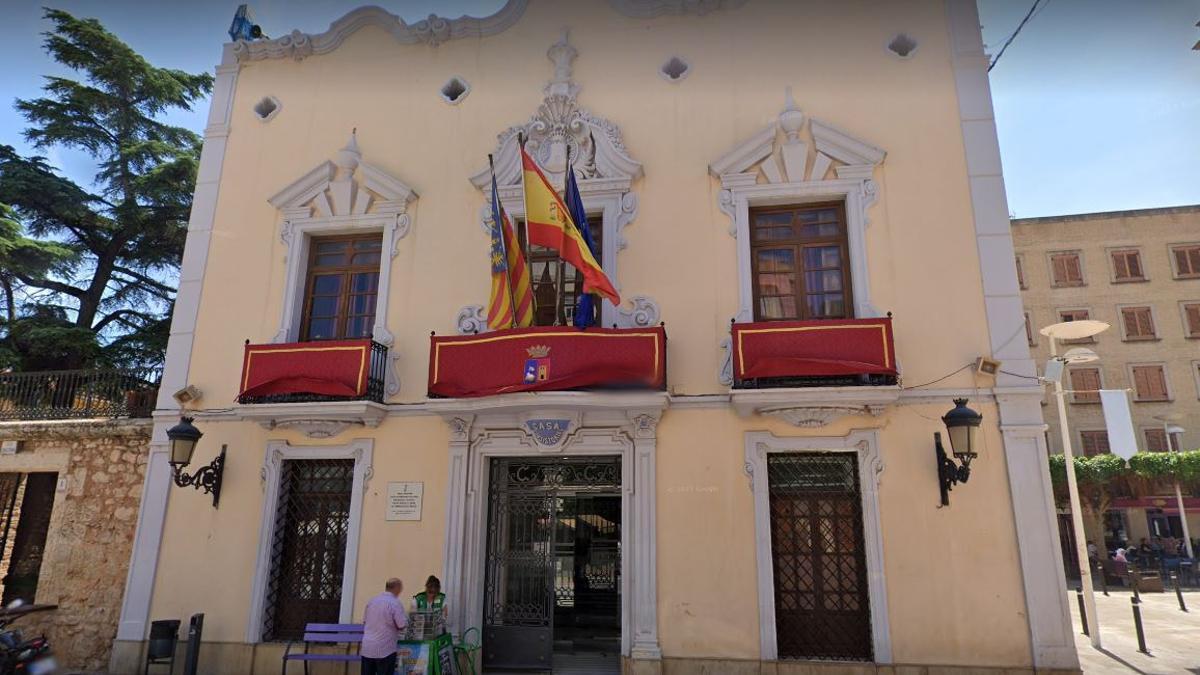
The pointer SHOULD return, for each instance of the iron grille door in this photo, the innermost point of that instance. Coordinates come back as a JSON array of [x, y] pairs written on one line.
[[822, 608], [29, 543], [308, 551], [526, 507]]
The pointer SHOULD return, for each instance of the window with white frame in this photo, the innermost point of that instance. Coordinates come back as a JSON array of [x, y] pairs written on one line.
[[796, 169]]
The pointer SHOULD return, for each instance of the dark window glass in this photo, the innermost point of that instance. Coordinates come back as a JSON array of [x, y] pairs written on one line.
[[800, 263], [342, 288]]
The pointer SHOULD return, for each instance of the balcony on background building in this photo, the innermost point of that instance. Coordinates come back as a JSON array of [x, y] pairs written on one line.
[[78, 394], [555, 358], [820, 353], [308, 372]]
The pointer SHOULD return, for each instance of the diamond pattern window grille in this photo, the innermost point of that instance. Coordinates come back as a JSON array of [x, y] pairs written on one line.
[[308, 550], [822, 608]]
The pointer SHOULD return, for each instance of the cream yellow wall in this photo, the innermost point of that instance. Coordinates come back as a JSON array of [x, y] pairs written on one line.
[[921, 248], [208, 555], [707, 593]]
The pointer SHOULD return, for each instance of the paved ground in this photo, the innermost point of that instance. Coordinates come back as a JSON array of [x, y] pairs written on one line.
[[1172, 636]]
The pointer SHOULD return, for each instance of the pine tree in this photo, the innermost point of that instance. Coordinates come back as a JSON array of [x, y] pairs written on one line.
[[84, 278]]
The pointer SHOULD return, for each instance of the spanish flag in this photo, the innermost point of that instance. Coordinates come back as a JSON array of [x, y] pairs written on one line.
[[510, 274], [548, 223]]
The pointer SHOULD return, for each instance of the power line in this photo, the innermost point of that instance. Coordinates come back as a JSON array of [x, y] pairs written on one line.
[[1012, 37]]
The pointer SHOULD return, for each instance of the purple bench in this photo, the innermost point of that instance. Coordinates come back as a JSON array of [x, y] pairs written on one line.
[[325, 634]]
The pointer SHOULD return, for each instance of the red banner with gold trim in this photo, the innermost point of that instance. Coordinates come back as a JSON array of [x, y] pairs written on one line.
[[547, 359], [329, 368], [824, 348]]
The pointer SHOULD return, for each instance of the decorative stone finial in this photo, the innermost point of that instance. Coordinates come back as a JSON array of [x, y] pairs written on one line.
[[791, 119], [347, 158], [562, 54]]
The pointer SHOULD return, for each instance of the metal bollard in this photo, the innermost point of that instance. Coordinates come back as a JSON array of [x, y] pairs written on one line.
[[1136, 579], [191, 660], [1137, 625], [1103, 581], [1082, 611], [1178, 592]]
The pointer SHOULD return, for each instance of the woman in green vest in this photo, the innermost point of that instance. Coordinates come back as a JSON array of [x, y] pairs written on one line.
[[433, 599]]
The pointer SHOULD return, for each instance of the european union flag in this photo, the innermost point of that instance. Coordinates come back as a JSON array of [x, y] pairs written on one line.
[[585, 313]]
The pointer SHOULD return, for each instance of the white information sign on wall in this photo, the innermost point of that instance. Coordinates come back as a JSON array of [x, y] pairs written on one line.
[[404, 500]]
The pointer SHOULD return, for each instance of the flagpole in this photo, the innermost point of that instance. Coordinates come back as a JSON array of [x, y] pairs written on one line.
[[498, 212], [525, 206], [560, 310]]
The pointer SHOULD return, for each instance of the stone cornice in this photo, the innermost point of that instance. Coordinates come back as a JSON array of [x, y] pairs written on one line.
[[432, 31]]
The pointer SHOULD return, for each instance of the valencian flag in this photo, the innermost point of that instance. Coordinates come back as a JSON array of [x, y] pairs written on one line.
[[585, 312], [510, 275], [549, 224]]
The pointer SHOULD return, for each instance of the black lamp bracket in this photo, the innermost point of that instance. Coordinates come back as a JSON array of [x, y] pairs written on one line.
[[206, 478], [949, 473]]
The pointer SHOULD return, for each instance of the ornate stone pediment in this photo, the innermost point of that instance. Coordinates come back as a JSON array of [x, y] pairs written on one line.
[[795, 149], [559, 124], [345, 187]]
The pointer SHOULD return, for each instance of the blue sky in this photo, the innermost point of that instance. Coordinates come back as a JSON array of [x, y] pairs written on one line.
[[1097, 101]]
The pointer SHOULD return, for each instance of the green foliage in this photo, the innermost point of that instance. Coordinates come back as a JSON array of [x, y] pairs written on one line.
[[1143, 466], [74, 263]]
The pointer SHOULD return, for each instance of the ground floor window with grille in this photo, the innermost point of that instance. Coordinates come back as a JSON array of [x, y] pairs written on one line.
[[308, 549], [822, 606], [26, 502]]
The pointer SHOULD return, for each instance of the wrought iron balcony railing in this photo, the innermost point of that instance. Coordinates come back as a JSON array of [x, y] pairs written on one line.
[[78, 394]]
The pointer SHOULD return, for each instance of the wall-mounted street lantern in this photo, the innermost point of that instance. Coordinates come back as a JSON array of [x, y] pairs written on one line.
[[183, 437], [962, 423]]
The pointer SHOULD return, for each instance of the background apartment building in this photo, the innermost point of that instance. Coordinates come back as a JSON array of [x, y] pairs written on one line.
[[1139, 271]]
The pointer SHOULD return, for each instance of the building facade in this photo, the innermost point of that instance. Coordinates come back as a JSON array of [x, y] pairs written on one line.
[[1140, 272], [807, 198]]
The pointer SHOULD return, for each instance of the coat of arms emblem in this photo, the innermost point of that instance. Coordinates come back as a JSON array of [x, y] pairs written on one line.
[[537, 366]]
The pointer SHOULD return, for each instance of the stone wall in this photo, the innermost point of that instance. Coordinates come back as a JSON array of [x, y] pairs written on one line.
[[92, 526]]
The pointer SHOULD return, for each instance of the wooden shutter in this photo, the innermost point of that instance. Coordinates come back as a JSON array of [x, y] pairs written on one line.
[[1192, 319], [1156, 440], [1127, 265], [1187, 261], [1066, 269], [1085, 382], [1094, 442], [1139, 323], [1150, 383]]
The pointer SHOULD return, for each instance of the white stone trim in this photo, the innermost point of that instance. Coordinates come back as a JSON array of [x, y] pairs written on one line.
[[1050, 631], [606, 428], [152, 511], [772, 167], [865, 445], [277, 451], [346, 196], [432, 31]]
